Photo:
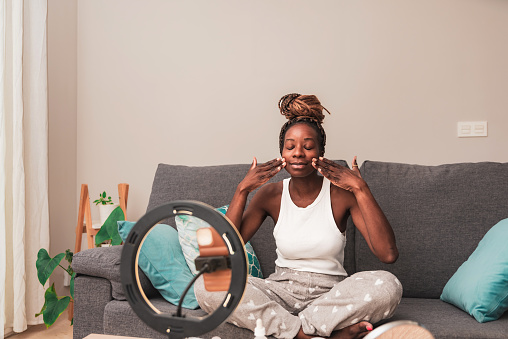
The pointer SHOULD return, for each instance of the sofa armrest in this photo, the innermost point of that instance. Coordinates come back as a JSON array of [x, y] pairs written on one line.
[[104, 262], [91, 295]]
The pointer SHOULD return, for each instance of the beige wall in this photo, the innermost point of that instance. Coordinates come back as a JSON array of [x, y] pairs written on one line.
[[62, 84], [197, 83]]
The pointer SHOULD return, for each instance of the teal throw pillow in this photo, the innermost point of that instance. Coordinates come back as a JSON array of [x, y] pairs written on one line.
[[188, 225], [480, 285], [162, 261]]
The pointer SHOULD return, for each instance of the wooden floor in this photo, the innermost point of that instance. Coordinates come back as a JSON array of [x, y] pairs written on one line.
[[60, 329]]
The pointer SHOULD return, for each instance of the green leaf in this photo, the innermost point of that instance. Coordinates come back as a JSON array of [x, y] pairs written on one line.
[[68, 255], [72, 285], [104, 194], [46, 265], [70, 270], [42, 309], [101, 236], [109, 231], [53, 306]]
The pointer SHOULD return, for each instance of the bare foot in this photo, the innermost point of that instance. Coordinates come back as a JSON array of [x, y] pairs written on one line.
[[358, 330]]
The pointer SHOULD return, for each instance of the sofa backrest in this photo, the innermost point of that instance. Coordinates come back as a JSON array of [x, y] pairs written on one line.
[[438, 213], [215, 185]]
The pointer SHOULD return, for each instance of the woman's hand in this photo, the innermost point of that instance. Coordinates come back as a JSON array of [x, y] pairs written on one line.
[[255, 177], [340, 176], [260, 174], [367, 216]]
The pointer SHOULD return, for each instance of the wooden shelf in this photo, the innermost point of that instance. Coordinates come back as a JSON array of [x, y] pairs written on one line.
[[86, 224]]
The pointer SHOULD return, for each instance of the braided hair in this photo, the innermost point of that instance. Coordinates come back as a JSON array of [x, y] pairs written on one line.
[[305, 109]]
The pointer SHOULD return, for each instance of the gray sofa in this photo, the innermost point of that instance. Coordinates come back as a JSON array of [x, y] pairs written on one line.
[[438, 213]]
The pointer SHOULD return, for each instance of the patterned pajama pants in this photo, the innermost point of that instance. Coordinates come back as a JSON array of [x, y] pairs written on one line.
[[318, 303]]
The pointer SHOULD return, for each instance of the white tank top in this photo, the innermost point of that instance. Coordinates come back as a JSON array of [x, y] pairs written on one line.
[[307, 238]]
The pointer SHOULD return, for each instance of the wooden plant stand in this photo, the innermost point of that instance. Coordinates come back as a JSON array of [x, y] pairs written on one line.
[[85, 214]]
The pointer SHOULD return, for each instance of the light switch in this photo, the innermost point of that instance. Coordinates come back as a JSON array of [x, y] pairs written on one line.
[[471, 129]]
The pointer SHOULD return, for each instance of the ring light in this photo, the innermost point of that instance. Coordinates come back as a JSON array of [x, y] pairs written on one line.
[[172, 325]]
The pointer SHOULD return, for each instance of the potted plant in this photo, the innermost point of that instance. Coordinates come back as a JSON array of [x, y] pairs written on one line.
[[109, 214], [54, 305], [105, 206]]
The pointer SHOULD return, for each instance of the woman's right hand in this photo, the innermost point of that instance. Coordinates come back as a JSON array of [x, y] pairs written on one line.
[[258, 175]]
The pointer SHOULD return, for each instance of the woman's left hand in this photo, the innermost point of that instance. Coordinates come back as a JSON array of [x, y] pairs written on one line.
[[366, 213], [338, 175]]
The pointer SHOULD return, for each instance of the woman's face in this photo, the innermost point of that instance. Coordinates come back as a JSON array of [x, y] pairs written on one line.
[[300, 147]]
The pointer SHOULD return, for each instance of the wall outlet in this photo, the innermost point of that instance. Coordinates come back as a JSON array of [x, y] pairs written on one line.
[[468, 129]]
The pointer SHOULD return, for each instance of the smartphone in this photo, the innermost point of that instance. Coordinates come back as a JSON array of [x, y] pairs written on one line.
[[211, 245]]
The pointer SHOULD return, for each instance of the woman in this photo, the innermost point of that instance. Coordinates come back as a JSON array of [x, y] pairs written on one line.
[[310, 294]]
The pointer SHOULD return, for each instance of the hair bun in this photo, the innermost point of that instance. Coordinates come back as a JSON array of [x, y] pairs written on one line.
[[297, 106]]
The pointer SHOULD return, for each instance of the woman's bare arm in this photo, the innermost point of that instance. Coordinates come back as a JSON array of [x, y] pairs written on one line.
[[247, 223], [372, 223], [365, 211]]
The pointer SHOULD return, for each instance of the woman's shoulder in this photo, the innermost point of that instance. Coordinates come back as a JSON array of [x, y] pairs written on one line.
[[268, 198], [267, 193], [340, 195], [270, 189]]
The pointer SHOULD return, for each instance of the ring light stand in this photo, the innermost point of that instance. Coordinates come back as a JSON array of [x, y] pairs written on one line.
[[177, 326]]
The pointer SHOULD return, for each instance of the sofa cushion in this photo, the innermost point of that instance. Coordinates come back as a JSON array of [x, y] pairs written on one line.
[[187, 225], [162, 260], [438, 214], [480, 285], [445, 321], [215, 186], [120, 319]]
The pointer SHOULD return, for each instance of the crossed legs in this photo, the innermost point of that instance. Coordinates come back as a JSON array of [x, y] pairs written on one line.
[[295, 304]]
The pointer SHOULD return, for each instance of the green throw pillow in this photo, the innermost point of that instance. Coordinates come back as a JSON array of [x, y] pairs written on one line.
[[162, 261], [187, 227], [480, 285]]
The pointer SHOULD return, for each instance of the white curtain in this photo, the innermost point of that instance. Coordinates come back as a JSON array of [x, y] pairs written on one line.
[[24, 213]]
